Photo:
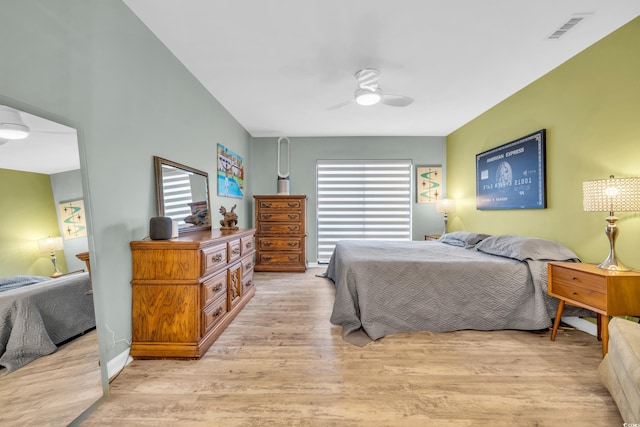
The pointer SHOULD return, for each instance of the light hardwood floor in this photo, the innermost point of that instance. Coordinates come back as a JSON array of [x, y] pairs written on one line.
[[282, 363], [53, 390]]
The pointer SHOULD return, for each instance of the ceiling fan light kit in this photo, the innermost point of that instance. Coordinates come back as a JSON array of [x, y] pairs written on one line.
[[367, 97], [11, 124]]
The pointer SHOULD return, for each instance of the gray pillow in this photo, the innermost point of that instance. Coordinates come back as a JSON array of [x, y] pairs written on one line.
[[463, 239], [526, 248]]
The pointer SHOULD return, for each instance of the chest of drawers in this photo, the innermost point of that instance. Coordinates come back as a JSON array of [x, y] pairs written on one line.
[[280, 233], [187, 290], [607, 293]]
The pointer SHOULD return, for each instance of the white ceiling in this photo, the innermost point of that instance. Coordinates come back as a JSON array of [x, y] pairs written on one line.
[[280, 66], [50, 148]]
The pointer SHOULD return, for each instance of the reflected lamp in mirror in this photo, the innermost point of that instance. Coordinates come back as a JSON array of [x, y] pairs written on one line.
[[11, 124], [611, 195], [445, 206], [49, 246], [183, 195]]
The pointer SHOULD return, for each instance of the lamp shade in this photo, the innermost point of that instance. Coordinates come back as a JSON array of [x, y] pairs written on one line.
[[446, 206], [11, 124], [50, 244], [367, 97], [610, 195]]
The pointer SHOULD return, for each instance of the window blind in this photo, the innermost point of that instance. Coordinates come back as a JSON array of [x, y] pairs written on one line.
[[362, 199], [176, 186]]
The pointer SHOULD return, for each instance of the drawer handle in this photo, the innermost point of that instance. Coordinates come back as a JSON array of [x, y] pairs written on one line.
[[235, 251], [266, 216], [266, 227], [574, 293], [293, 258], [248, 245], [265, 205], [218, 312], [266, 258], [574, 278], [293, 216], [267, 244], [292, 244], [292, 204], [249, 265], [218, 288], [216, 258], [293, 227], [248, 284]]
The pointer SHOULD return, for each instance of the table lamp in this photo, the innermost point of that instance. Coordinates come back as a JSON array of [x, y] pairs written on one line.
[[50, 245], [610, 195], [445, 206]]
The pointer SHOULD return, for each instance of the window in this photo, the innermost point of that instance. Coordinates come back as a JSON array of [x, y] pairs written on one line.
[[362, 199]]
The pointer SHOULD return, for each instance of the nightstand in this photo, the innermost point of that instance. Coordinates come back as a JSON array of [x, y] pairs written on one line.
[[606, 292], [431, 236]]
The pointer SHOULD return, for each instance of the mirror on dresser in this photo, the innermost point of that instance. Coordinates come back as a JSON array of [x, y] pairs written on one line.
[[41, 193], [183, 195]]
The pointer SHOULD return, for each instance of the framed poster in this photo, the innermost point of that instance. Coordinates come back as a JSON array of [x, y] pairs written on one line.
[[428, 184], [230, 173], [512, 176], [74, 224]]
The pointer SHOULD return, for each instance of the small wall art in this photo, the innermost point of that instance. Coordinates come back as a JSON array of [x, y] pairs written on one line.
[[512, 176], [428, 183], [73, 220], [230, 173]]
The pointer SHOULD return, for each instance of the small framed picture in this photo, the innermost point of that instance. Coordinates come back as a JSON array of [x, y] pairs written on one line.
[[428, 183]]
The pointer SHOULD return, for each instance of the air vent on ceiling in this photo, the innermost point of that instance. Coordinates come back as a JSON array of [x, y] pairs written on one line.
[[572, 22]]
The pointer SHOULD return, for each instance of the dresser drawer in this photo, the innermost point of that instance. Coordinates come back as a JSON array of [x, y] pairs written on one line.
[[282, 228], [578, 278], [213, 288], [247, 265], [233, 250], [213, 258], [247, 244], [213, 314], [267, 205], [280, 216], [279, 243], [247, 282], [265, 257], [581, 294]]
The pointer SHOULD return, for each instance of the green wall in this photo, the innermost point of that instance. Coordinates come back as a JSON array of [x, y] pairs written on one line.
[[92, 65], [28, 213], [591, 110], [304, 152]]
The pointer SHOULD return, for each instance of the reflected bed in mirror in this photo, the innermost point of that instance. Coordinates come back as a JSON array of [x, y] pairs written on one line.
[[183, 195]]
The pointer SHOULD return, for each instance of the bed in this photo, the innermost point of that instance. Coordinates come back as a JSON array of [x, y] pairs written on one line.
[[461, 281], [39, 313]]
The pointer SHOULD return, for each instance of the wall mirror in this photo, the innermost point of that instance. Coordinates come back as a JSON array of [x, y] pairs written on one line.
[[183, 195], [41, 174]]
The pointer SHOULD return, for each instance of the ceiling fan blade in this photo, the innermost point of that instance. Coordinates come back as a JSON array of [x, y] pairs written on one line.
[[340, 105], [396, 100]]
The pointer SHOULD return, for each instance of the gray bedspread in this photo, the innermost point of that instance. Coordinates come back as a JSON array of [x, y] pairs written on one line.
[[35, 318], [387, 287]]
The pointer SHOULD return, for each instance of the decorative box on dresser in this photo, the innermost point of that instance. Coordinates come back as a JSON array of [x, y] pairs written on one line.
[[606, 292], [187, 290], [280, 233]]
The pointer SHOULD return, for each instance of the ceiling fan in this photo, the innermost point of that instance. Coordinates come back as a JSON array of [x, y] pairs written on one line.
[[369, 93]]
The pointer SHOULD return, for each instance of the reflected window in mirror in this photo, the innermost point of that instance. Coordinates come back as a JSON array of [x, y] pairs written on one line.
[[182, 195]]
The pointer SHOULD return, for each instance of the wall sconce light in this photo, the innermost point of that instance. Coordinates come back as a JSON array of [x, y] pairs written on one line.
[[11, 125], [445, 206], [609, 195], [50, 245]]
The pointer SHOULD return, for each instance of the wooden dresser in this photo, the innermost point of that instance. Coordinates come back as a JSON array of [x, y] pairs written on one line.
[[280, 233], [187, 290]]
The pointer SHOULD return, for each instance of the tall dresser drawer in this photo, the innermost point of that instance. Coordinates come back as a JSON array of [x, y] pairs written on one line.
[[265, 205], [278, 258], [279, 243], [293, 228], [280, 216]]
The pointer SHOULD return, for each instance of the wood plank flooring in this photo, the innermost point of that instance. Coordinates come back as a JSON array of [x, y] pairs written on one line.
[[282, 363], [53, 390]]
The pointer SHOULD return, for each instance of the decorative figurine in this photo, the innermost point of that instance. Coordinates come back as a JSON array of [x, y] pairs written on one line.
[[230, 220]]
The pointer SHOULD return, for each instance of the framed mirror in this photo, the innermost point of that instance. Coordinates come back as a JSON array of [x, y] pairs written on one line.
[[182, 195]]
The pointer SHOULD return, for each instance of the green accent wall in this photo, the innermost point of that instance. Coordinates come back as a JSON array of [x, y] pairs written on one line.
[[590, 107], [28, 213]]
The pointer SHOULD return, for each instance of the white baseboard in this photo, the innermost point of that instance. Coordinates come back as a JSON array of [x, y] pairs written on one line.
[[581, 324], [115, 365]]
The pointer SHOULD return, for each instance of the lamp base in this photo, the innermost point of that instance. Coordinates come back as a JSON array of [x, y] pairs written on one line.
[[612, 263]]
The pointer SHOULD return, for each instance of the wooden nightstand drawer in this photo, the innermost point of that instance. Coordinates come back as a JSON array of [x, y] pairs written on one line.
[[582, 279], [580, 294]]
